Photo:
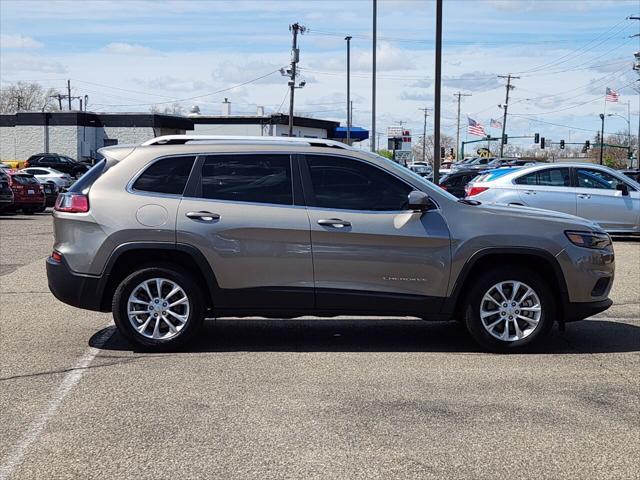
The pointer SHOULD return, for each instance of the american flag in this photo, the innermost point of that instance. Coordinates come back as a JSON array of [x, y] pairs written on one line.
[[495, 123], [611, 95], [475, 128]]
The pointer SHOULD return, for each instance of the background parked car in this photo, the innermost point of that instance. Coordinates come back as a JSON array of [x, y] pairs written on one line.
[[28, 194], [6, 194], [50, 175], [594, 192], [632, 173], [455, 182], [421, 168], [51, 191], [60, 163]]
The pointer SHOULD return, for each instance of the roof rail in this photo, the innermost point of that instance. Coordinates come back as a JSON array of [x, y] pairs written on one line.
[[184, 139]]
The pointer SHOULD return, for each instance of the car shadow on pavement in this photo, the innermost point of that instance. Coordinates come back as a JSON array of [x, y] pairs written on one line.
[[383, 335]]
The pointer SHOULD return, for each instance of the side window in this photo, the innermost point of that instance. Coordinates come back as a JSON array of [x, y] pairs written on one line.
[[588, 178], [347, 184], [530, 179], [168, 175], [248, 178], [550, 177]]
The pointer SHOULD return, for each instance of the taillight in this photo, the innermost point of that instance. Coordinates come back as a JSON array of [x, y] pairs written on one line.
[[72, 203], [56, 256], [471, 191], [26, 164], [442, 187]]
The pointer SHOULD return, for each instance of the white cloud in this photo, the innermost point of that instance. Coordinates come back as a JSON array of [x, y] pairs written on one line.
[[18, 41], [120, 48], [23, 63]]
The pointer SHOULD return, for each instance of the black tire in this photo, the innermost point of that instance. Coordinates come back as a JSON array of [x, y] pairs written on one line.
[[483, 284], [28, 210], [181, 278]]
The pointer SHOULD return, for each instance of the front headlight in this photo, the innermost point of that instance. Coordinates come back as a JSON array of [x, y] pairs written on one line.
[[589, 239]]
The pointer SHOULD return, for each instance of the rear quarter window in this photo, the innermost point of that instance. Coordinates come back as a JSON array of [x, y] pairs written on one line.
[[167, 176], [83, 184]]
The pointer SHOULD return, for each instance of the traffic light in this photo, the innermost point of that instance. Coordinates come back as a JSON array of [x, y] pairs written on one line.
[[587, 144], [541, 142], [629, 154], [562, 144], [505, 137], [536, 138], [442, 152]]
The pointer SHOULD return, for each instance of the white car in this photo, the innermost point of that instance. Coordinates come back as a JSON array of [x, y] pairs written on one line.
[[597, 193], [49, 175]]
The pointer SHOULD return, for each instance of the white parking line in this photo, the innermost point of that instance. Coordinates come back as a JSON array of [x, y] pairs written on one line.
[[16, 456]]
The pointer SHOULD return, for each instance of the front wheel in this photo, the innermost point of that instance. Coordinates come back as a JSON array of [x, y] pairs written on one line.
[[508, 309], [158, 308]]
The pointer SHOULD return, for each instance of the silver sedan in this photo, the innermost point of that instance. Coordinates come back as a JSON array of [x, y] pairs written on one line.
[[594, 192]]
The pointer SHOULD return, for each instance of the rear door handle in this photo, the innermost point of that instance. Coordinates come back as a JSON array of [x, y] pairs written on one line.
[[334, 222], [530, 192], [203, 216], [584, 195]]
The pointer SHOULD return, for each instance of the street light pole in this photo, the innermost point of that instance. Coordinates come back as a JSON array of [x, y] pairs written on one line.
[[459, 95], [348, 39], [437, 94], [601, 137], [373, 78]]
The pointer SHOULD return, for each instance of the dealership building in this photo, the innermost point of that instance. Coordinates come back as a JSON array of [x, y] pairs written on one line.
[[79, 134]]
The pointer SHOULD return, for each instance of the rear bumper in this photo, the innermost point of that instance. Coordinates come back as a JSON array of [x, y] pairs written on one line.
[[78, 290], [575, 311]]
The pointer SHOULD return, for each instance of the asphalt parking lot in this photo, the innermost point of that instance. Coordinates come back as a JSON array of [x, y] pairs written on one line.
[[313, 398]]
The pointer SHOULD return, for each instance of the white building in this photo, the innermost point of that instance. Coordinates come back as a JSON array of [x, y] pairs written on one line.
[[80, 134]]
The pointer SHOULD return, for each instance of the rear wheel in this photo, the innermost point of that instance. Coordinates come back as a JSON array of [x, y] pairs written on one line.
[[508, 309], [158, 308]]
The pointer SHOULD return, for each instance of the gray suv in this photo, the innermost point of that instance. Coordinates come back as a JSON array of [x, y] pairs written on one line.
[[183, 228]]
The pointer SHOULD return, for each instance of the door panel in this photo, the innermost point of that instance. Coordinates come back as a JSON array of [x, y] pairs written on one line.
[[599, 201], [369, 251], [549, 189], [391, 252], [259, 252]]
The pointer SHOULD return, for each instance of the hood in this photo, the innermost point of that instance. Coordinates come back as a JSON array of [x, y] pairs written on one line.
[[540, 214]]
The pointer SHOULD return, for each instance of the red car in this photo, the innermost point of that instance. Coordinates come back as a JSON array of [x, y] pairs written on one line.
[[28, 194]]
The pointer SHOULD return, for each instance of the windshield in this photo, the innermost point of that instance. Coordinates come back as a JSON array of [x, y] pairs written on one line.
[[25, 179]]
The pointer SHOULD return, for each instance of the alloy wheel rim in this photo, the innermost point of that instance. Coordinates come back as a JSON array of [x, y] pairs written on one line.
[[510, 311], [158, 308]]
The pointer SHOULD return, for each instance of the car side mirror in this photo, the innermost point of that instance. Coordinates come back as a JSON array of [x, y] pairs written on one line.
[[623, 188], [419, 201]]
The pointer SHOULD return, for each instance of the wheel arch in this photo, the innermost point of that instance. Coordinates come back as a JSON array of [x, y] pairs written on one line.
[[527, 257], [130, 256]]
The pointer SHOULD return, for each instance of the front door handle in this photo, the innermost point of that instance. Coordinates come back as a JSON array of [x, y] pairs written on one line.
[[584, 195], [334, 222], [203, 216], [530, 192]]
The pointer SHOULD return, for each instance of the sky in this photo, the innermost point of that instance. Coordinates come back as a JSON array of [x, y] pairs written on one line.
[[129, 55]]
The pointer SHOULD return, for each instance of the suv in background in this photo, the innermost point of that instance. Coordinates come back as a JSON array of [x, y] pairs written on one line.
[[57, 162], [184, 227], [28, 194], [6, 194]]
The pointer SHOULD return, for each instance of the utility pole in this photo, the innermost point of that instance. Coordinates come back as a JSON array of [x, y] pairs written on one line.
[[373, 78], [295, 58], [505, 106], [348, 39], [424, 133], [69, 93], [437, 94], [601, 137], [459, 95], [59, 97]]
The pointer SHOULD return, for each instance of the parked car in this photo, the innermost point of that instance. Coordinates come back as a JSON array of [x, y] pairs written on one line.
[[51, 194], [50, 175], [594, 192], [186, 227], [60, 163], [421, 168], [28, 194], [473, 162], [6, 194], [632, 173], [455, 182]]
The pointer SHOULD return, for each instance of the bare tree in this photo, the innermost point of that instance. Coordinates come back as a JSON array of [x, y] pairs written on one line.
[[173, 109], [445, 141], [27, 97]]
